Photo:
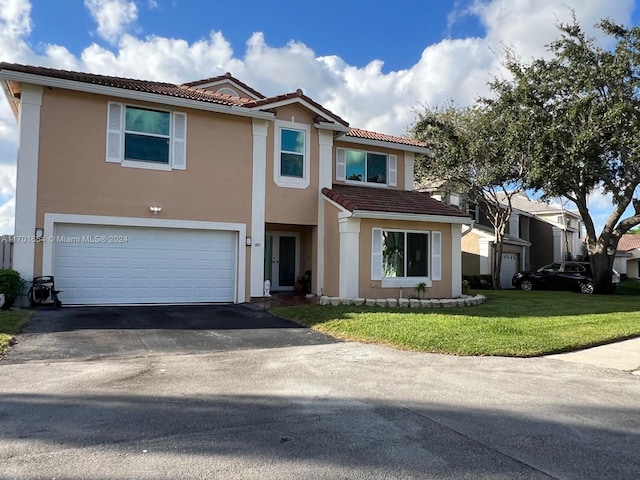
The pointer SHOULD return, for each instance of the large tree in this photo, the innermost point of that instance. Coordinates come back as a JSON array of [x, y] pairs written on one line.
[[468, 152], [578, 114]]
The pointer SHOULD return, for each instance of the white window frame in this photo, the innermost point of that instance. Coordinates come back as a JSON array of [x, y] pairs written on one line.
[[282, 180], [377, 256], [341, 168], [116, 131]]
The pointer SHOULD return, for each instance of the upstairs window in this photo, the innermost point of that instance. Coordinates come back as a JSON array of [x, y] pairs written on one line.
[[146, 138], [366, 167], [147, 135], [291, 155]]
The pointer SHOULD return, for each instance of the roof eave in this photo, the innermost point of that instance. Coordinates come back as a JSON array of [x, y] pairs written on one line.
[[132, 94], [336, 127], [297, 99], [14, 101], [412, 217], [384, 144]]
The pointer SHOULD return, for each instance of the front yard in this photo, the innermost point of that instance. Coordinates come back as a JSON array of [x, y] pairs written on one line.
[[11, 321], [510, 323]]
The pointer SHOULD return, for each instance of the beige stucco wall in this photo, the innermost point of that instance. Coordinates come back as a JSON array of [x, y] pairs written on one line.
[[373, 288], [331, 251], [293, 205], [74, 177], [369, 148]]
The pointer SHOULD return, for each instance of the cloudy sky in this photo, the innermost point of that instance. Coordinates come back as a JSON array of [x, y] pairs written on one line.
[[373, 62]]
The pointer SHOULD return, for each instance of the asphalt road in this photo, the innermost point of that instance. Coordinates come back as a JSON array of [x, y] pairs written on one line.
[[301, 407]]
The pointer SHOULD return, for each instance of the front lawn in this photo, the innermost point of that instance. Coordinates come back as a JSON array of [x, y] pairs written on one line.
[[510, 323], [11, 321]]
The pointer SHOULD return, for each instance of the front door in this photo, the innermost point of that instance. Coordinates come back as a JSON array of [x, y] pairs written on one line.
[[282, 260]]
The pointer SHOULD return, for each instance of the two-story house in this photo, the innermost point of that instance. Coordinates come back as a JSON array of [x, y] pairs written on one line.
[[140, 192], [538, 233]]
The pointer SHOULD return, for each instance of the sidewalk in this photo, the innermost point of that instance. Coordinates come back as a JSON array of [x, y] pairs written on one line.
[[623, 355]]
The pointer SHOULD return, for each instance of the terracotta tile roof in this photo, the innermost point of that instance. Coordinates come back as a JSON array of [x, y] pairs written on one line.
[[359, 133], [226, 76], [191, 91], [288, 96], [628, 243], [387, 200], [160, 88]]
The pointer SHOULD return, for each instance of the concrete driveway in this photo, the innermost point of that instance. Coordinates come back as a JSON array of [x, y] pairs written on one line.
[[305, 407]]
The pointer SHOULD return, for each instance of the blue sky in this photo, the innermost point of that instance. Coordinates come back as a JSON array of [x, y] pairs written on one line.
[[373, 62]]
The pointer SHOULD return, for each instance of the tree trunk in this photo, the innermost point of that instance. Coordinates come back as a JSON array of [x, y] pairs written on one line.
[[601, 265], [497, 264]]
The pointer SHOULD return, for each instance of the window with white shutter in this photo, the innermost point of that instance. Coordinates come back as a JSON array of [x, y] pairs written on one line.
[[393, 170], [403, 258], [436, 256], [367, 168], [142, 137], [179, 139], [376, 254]]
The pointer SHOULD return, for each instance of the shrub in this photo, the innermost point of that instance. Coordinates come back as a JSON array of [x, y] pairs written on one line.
[[478, 281], [11, 285]]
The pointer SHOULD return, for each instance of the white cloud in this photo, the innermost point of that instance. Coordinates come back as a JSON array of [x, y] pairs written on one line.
[[365, 96], [114, 17]]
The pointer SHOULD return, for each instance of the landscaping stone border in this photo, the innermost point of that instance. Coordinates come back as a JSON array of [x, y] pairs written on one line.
[[463, 301]]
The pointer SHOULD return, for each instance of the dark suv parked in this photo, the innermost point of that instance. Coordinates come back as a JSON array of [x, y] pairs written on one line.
[[560, 276]]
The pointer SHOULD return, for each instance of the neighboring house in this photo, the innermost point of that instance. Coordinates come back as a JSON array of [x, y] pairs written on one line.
[[627, 258], [132, 191], [538, 233]]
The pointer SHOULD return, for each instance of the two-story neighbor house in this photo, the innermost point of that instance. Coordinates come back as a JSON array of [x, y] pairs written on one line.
[[132, 191], [538, 233]]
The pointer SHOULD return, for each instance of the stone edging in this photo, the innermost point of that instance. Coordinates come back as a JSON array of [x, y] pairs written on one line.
[[463, 301]]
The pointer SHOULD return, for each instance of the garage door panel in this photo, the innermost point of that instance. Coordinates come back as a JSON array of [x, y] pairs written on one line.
[[154, 265]]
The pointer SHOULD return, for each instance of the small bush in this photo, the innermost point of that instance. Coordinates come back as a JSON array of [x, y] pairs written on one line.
[[478, 281], [10, 285]]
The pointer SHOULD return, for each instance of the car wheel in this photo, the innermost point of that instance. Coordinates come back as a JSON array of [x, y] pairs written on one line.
[[526, 285], [587, 288]]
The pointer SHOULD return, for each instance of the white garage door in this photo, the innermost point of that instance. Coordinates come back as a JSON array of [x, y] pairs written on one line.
[[510, 263], [96, 264]]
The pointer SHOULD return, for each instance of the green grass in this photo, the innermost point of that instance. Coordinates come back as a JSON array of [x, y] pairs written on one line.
[[11, 321], [510, 323]]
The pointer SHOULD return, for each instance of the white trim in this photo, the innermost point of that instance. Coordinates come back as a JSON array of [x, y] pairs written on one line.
[[165, 167], [412, 217], [27, 179], [292, 182], [456, 260], [306, 104], [133, 94], [349, 230], [336, 127], [382, 144], [258, 196], [51, 219], [206, 86], [409, 166], [325, 163], [404, 282]]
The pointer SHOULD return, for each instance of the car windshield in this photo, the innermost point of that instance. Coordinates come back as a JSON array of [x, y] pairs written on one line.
[[552, 267]]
